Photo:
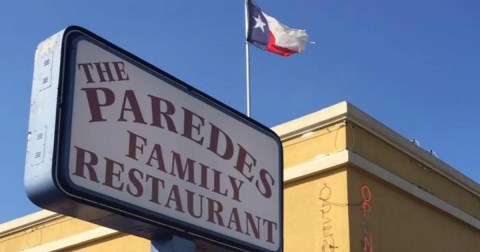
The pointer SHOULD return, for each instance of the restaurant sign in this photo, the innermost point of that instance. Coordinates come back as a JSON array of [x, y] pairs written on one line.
[[118, 142]]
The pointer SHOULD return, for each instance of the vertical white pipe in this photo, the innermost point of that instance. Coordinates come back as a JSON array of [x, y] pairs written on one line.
[[247, 59]]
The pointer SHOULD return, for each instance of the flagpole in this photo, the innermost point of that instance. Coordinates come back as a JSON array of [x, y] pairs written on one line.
[[247, 59]]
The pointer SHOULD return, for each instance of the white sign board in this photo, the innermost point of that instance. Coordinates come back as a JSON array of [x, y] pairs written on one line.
[[137, 142]]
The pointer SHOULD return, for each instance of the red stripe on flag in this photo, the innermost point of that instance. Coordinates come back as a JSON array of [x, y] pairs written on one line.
[[272, 47]]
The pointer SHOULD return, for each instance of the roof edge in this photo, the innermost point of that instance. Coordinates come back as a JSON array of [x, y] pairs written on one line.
[[28, 221], [310, 122], [345, 111]]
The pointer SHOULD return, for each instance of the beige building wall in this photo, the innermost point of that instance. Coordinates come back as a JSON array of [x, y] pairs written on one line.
[[316, 213], [396, 221], [48, 231], [351, 184]]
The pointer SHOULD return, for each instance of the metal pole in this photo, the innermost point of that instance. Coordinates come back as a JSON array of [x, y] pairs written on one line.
[[173, 243], [247, 59]]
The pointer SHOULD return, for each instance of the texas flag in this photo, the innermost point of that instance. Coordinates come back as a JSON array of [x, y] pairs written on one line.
[[267, 33]]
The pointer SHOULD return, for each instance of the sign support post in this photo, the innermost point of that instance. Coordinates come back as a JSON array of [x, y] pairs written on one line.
[[172, 243]]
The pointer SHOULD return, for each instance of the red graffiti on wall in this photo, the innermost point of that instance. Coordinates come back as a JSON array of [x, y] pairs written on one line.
[[366, 209]]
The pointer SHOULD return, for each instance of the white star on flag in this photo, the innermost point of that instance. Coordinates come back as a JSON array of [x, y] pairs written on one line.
[[259, 23]]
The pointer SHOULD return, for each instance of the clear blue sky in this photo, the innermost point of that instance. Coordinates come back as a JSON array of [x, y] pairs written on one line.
[[412, 65]]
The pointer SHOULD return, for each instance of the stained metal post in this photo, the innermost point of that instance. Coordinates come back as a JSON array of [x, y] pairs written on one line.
[[172, 243]]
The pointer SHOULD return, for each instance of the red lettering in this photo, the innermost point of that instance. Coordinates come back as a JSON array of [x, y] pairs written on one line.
[[367, 196], [87, 71], [251, 223], [183, 171], [217, 177], [136, 182], [204, 176], [366, 208], [236, 187], [134, 108], [267, 182], [120, 70], [234, 219], [214, 143], [367, 242], [188, 125], [157, 156], [94, 102], [215, 209], [175, 197], [111, 172], [191, 204], [158, 113], [156, 183], [81, 163], [105, 70], [242, 162], [133, 145], [270, 226]]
